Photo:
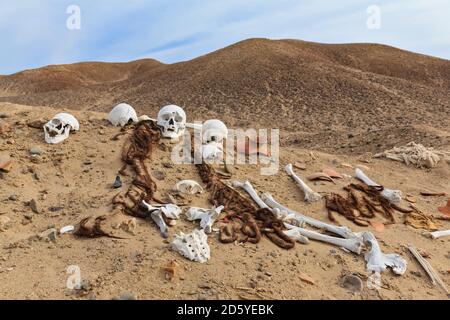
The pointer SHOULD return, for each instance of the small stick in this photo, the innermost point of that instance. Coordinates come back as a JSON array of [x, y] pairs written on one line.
[[434, 276]]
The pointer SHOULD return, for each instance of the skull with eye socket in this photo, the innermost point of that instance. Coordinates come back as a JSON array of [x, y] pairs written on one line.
[[214, 133], [172, 121], [59, 128]]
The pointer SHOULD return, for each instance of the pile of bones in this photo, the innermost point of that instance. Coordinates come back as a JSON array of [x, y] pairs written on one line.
[[250, 219]]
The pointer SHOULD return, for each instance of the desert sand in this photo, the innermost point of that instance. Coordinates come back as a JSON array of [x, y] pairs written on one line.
[[333, 104]]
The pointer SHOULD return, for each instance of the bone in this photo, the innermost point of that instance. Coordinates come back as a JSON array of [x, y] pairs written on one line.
[[310, 195], [156, 215], [438, 234], [207, 217], [394, 196], [342, 231], [354, 244], [247, 186], [434, 276], [296, 235], [378, 262], [188, 187]]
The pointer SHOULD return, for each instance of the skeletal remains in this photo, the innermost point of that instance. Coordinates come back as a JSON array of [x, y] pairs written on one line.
[[161, 213], [354, 242], [207, 217], [172, 121], [122, 114], [58, 129], [310, 195], [394, 196], [438, 234], [193, 246], [188, 187]]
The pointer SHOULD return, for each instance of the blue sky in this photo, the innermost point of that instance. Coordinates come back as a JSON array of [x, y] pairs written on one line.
[[34, 33]]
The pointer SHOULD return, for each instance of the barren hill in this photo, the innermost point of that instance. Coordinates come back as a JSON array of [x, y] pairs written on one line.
[[355, 97]]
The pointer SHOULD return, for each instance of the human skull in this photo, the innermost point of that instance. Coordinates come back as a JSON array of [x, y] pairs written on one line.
[[172, 121], [59, 128], [122, 114], [214, 131]]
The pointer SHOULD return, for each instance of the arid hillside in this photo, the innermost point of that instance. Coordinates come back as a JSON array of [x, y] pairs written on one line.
[[340, 98]]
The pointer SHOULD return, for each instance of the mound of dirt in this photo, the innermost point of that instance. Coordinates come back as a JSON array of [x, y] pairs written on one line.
[[345, 98]]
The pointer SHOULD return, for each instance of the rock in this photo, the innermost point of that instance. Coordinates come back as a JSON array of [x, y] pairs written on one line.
[[35, 150], [5, 223], [48, 235], [28, 216], [4, 127], [118, 183], [35, 206], [306, 278], [3, 115], [5, 162], [159, 175], [352, 283], [13, 197], [87, 162], [36, 124], [126, 296]]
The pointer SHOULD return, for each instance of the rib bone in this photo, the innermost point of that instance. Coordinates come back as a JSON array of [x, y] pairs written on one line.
[[342, 231], [377, 261], [353, 244], [394, 196], [310, 195]]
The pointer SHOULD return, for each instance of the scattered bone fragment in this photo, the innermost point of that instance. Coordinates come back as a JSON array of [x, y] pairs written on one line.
[[188, 187], [434, 276], [193, 246], [438, 234], [310, 195], [207, 217], [413, 154]]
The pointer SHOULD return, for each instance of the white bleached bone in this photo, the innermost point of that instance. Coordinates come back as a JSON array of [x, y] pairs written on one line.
[[188, 187], [212, 152], [172, 121], [122, 114], [438, 234], [310, 195], [300, 219], [353, 244], [247, 186], [207, 217], [58, 129], [394, 196], [193, 246], [170, 211], [214, 131], [296, 235], [378, 262]]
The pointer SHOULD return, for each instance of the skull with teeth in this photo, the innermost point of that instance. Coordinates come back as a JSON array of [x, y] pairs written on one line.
[[59, 128], [172, 121]]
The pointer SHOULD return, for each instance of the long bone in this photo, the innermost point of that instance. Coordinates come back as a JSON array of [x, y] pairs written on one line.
[[310, 195], [342, 231], [247, 186], [394, 196], [438, 234], [352, 244], [378, 262]]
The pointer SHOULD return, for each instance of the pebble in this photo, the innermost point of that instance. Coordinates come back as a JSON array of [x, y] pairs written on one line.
[[13, 197], [5, 223], [28, 216], [118, 183], [352, 283], [35, 206], [35, 150], [159, 175], [48, 235], [126, 296]]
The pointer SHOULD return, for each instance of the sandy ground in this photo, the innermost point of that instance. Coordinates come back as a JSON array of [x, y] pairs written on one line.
[[73, 180]]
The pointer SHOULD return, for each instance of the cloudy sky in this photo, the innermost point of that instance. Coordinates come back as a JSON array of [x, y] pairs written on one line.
[[36, 33]]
